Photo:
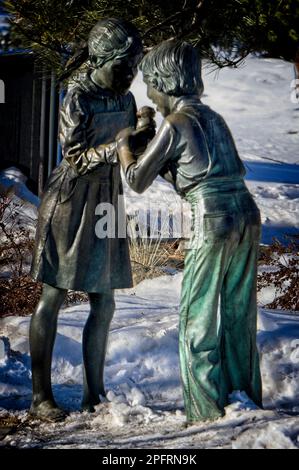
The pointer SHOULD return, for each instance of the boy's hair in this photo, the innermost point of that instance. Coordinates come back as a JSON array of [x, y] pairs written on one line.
[[173, 67], [113, 38]]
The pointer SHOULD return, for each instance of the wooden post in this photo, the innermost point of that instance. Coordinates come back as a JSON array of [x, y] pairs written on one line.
[[52, 117], [42, 135], [296, 66]]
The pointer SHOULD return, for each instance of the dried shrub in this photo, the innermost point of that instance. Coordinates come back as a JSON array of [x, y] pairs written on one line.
[[151, 259], [74, 297], [151, 254], [19, 293], [283, 275]]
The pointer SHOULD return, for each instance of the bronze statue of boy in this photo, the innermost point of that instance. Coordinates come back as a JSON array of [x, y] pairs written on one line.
[[194, 150]]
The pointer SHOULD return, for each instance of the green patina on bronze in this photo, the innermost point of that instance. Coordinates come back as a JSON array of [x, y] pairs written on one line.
[[195, 151]]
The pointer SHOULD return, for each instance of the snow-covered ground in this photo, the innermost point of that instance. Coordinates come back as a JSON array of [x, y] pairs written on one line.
[[12, 179], [145, 406]]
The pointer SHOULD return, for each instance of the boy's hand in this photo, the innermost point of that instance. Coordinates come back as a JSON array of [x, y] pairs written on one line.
[[135, 139], [146, 117], [146, 123]]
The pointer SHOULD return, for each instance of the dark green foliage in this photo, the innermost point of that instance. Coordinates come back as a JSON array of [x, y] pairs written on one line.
[[225, 31]]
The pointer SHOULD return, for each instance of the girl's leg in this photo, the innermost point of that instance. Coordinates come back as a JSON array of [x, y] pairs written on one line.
[[42, 336], [95, 336]]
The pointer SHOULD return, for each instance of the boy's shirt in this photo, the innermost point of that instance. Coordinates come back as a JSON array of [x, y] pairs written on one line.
[[193, 145]]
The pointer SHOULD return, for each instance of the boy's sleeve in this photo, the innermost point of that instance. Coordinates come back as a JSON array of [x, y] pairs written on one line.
[[161, 149], [73, 125]]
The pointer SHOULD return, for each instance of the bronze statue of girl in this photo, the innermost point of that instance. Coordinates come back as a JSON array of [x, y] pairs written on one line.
[[68, 254]]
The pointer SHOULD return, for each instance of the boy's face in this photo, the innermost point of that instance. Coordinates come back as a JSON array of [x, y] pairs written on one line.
[[117, 75], [160, 99]]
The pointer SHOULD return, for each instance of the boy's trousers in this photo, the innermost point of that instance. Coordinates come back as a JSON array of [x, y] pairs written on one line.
[[218, 312]]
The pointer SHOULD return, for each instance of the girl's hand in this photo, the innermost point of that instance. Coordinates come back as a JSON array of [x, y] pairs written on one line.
[[124, 134]]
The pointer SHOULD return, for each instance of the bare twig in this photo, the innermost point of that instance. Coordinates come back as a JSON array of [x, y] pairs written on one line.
[[182, 13]]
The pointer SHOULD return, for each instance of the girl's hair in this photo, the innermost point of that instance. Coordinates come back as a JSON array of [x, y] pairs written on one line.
[[113, 38], [173, 67]]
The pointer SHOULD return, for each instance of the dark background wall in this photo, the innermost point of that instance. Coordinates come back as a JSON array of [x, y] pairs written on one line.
[[26, 139]]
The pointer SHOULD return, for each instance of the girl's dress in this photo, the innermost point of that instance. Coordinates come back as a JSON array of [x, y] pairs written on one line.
[[70, 252]]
